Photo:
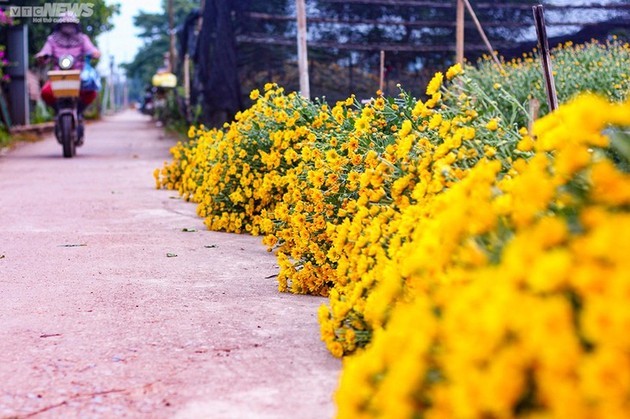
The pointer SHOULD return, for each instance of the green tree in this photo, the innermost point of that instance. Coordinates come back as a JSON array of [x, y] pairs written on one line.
[[154, 32]]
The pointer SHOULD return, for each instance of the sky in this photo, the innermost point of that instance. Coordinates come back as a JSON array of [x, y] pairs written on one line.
[[122, 42]]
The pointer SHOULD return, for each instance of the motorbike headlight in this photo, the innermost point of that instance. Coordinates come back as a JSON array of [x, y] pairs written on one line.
[[66, 62]]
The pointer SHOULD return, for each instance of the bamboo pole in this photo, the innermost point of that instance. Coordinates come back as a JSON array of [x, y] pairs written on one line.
[[411, 24], [543, 46], [381, 83], [302, 49], [392, 47], [483, 34], [459, 33], [495, 5]]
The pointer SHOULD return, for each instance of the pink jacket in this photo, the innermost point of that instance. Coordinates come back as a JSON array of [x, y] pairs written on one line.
[[58, 45]]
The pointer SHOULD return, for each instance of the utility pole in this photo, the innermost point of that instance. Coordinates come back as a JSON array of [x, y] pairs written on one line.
[[112, 81], [302, 49], [125, 98], [171, 31]]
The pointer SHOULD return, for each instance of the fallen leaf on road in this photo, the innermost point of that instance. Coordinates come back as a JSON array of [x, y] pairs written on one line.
[[171, 255], [189, 230], [2, 256], [73, 245]]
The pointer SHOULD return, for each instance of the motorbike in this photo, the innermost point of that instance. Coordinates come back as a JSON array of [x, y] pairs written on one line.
[[66, 86]]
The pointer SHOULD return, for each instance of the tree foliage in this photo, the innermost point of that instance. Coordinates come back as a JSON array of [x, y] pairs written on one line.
[[154, 32]]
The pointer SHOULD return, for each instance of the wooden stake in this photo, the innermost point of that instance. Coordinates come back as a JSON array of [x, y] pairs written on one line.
[[350, 73], [381, 83], [534, 108], [187, 87], [483, 34], [543, 46], [302, 49], [459, 33]]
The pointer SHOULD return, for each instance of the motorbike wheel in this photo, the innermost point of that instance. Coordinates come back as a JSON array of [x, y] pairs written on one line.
[[67, 140]]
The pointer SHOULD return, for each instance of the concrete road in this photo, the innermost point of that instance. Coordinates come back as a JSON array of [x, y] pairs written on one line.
[[96, 321]]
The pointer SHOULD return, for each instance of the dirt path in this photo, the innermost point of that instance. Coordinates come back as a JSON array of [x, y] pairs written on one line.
[[96, 320]]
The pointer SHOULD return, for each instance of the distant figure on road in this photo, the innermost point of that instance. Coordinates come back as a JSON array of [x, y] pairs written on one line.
[[68, 39]]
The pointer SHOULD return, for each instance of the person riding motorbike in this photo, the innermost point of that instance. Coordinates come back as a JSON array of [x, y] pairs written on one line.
[[67, 38]]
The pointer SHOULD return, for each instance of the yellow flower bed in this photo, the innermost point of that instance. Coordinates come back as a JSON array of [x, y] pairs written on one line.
[[373, 161], [295, 171], [507, 294], [476, 269], [437, 145], [238, 173]]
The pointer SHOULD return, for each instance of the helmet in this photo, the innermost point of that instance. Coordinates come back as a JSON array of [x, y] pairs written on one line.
[[68, 17]]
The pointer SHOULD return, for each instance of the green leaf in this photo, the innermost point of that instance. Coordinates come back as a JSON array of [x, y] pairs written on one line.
[[620, 143]]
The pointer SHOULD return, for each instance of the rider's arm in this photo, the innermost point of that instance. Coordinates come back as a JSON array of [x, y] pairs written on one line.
[[89, 48], [47, 50]]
